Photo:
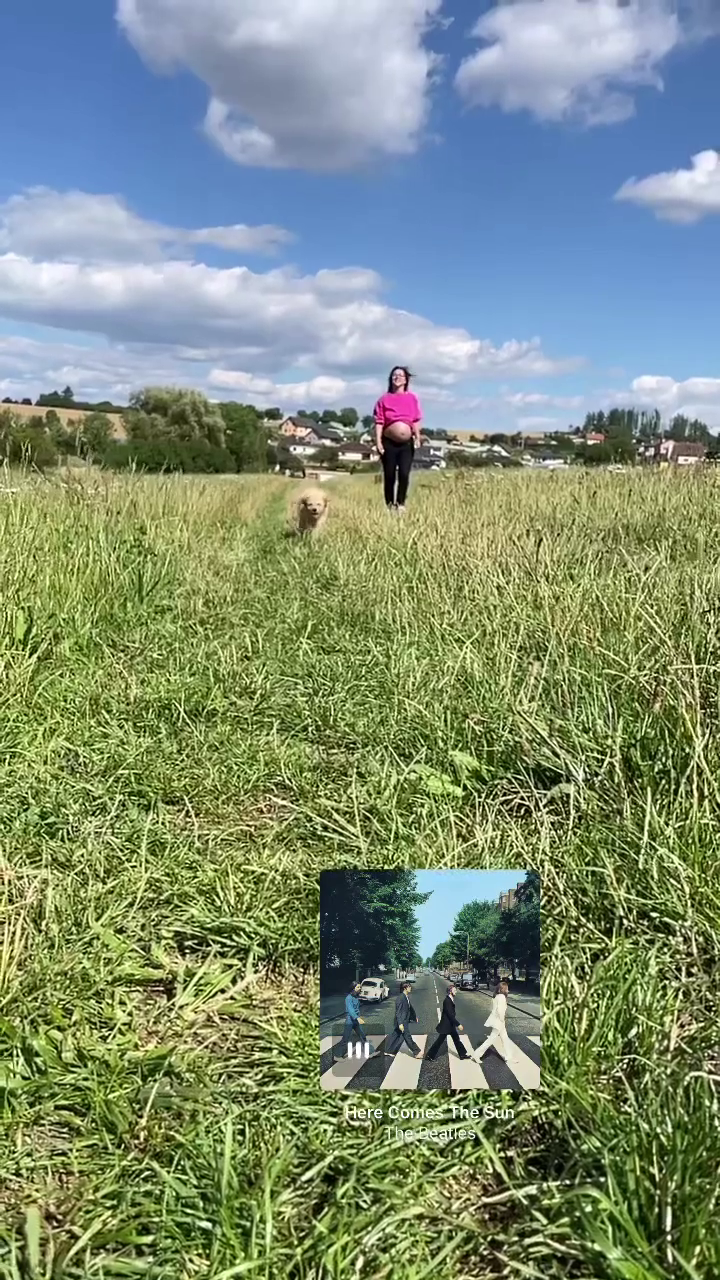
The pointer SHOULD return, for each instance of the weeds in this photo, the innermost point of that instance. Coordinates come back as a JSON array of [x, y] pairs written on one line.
[[199, 715]]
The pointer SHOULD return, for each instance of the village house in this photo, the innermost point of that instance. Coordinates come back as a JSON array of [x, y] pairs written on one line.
[[498, 450], [594, 437], [300, 428], [296, 427], [435, 448], [429, 458], [355, 451], [301, 448], [680, 453]]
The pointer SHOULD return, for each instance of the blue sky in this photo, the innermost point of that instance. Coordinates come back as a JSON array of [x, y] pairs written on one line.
[[450, 891], [367, 185]]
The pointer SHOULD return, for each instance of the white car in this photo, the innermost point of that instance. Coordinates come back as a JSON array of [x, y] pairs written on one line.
[[411, 978], [374, 989]]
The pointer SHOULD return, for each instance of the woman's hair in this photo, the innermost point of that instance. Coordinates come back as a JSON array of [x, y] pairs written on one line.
[[499, 987], [402, 369]]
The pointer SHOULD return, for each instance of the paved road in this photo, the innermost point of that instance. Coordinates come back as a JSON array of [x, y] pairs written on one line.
[[446, 1071]]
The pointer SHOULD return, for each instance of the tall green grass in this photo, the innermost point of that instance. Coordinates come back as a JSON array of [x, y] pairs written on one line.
[[199, 714]]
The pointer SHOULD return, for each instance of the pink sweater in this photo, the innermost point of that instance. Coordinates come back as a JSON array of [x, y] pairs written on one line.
[[397, 406]]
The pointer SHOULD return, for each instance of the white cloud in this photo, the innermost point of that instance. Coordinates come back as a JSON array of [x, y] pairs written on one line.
[[88, 265], [29, 365], [520, 399], [569, 59], [680, 195], [113, 371], [321, 84], [694, 397], [333, 320], [76, 226], [321, 392]]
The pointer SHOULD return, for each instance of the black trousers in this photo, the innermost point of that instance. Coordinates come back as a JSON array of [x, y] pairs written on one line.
[[397, 463], [462, 1051], [349, 1029], [396, 1038]]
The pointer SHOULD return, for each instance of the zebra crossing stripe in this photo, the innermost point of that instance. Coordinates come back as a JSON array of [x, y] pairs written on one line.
[[469, 1075], [340, 1073], [524, 1069], [404, 1070], [464, 1075]]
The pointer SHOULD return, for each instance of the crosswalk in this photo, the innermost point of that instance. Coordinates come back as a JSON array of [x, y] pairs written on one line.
[[402, 1071]]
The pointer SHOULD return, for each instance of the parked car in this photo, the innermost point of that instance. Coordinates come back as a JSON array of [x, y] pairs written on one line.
[[467, 981], [411, 978], [374, 989]]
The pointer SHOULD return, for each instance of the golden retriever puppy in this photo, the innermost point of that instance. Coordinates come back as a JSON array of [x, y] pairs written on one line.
[[311, 511]]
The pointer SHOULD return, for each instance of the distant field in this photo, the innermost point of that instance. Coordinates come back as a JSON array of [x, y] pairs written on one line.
[[199, 714], [65, 415]]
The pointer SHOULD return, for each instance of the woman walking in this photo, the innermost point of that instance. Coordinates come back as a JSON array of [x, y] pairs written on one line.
[[498, 1039], [397, 417]]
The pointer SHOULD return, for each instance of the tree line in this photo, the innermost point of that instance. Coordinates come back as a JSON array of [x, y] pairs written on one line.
[[368, 921], [489, 939], [179, 429], [164, 429]]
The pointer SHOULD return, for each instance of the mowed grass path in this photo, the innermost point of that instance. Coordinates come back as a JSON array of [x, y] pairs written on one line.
[[199, 714]]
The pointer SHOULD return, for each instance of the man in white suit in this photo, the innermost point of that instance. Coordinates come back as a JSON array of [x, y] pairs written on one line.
[[498, 1038]]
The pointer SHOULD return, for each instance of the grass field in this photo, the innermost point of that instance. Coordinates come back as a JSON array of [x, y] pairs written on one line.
[[199, 714]]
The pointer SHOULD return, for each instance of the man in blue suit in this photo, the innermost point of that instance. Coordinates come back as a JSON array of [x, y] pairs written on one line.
[[352, 1020]]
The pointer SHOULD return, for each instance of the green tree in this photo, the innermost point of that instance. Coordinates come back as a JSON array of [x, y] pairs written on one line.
[[480, 921], [649, 425], [168, 455], [95, 434], [368, 918], [173, 413], [525, 923], [443, 955], [562, 442], [325, 455], [595, 455], [348, 417], [64, 441], [684, 428], [245, 436], [26, 441]]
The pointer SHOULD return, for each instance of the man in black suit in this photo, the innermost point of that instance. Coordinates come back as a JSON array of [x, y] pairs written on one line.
[[404, 1015], [449, 1026]]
